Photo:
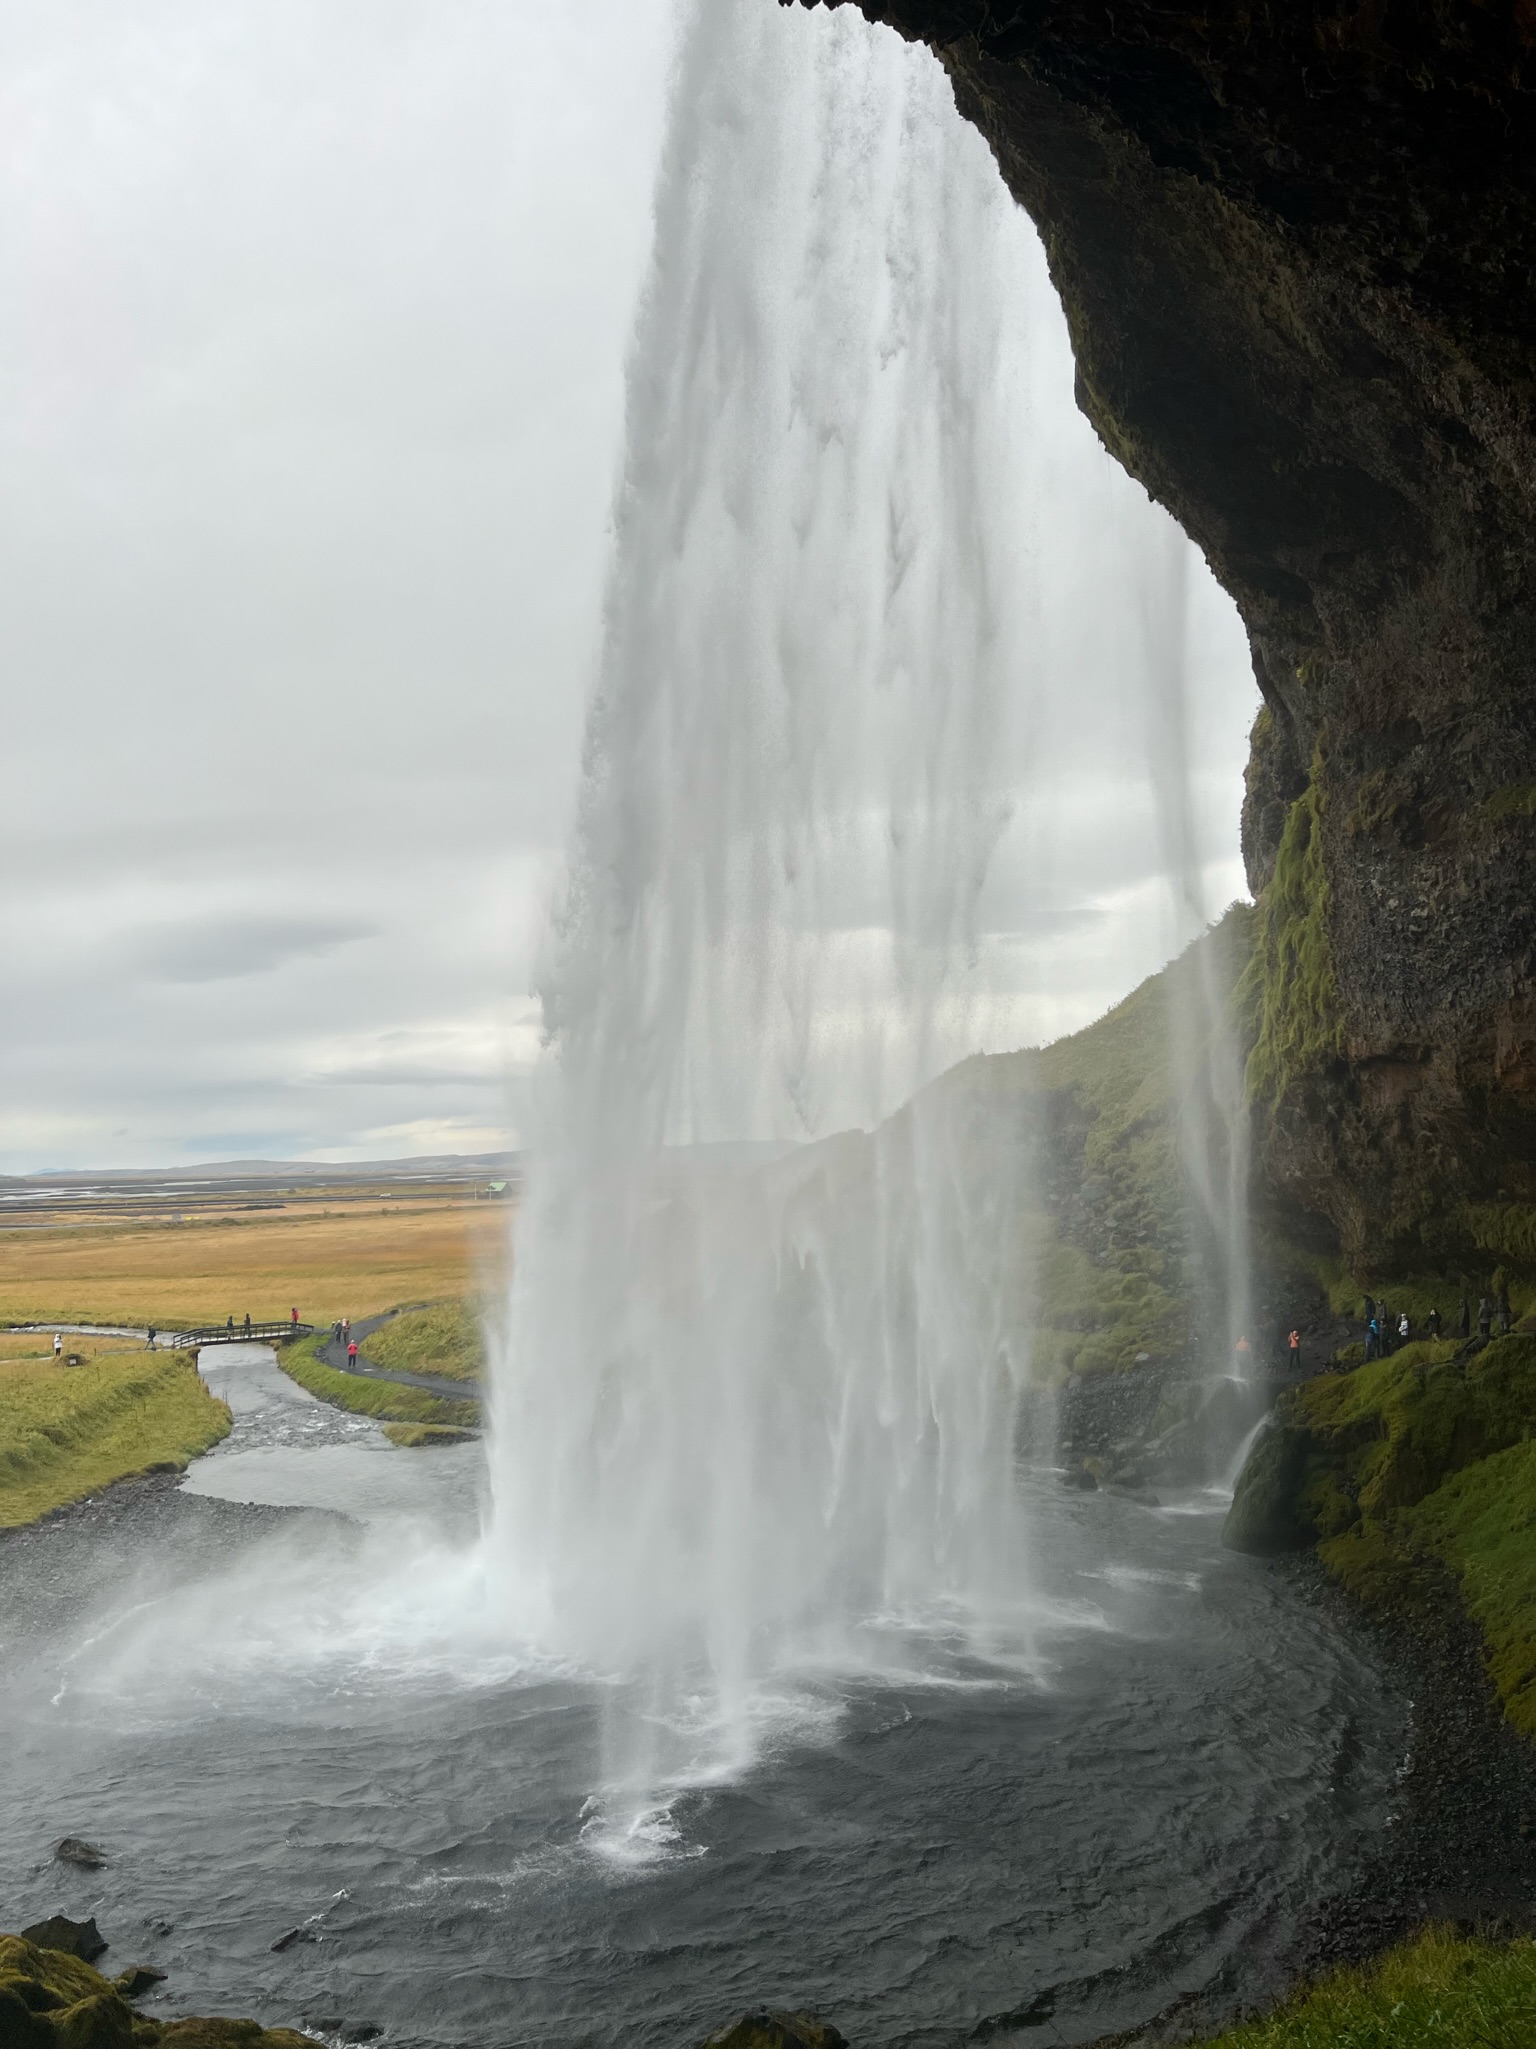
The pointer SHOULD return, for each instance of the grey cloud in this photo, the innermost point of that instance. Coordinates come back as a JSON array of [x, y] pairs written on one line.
[[402, 1077], [312, 325], [225, 949]]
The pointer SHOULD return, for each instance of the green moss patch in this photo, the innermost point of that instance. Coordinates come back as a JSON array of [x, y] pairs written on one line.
[[1439, 1991], [1514, 800], [1290, 990], [386, 1400], [67, 1431], [1505, 1229], [446, 1338]]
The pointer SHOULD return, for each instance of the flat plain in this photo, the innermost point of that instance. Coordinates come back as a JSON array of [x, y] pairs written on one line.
[[325, 1254], [152, 1258]]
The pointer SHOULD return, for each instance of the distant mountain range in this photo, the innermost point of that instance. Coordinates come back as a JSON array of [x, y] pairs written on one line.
[[422, 1166]]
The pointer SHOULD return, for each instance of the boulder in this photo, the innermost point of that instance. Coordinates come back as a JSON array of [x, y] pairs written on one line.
[[1267, 1515], [137, 1979], [81, 1939], [75, 1850]]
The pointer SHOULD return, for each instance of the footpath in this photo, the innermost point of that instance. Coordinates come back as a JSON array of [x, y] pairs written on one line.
[[333, 1353]]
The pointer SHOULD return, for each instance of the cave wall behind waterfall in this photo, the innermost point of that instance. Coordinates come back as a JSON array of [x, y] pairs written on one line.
[[1295, 243]]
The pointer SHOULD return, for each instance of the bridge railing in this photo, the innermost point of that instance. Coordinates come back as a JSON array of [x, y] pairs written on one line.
[[276, 1333]]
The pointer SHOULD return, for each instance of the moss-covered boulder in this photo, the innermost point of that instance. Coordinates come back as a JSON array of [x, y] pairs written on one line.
[[765, 2030], [51, 2000], [1267, 1514]]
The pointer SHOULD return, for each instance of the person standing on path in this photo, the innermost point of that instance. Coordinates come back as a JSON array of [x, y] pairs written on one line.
[[149, 1338], [352, 1351], [247, 1322], [293, 1315], [1293, 1349], [1464, 1322], [58, 1344]]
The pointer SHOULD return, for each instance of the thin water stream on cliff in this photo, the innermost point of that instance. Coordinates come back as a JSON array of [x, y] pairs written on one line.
[[280, 1718]]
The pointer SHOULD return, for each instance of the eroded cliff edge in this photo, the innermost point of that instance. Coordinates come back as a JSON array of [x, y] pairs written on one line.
[[1295, 246]]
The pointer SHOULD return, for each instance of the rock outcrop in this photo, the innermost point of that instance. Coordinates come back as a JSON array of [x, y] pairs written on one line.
[[1296, 246], [50, 1999]]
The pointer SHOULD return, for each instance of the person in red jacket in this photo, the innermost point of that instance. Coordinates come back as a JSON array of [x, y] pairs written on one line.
[[352, 1352]]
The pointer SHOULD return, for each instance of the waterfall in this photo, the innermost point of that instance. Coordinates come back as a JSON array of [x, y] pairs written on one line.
[[755, 1411], [742, 1415]]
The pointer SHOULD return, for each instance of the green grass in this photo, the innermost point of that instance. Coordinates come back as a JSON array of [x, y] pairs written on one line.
[[67, 1431], [1482, 1523], [1439, 1991], [383, 1399], [446, 1338], [422, 1436]]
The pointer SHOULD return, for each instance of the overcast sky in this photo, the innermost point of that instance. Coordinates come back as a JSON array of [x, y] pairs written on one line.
[[314, 322]]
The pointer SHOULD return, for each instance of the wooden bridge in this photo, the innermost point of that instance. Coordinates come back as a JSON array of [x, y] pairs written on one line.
[[242, 1334]]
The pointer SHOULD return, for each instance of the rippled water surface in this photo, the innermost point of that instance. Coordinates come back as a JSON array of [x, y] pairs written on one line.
[[275, 1720]]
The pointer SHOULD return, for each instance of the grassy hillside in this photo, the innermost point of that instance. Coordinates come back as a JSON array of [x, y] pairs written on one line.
[[445, 1338], [66, 1431], [1121, 1246]]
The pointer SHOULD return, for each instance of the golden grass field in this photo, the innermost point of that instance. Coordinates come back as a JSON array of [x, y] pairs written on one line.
[[67, 1431], [347, 1260]]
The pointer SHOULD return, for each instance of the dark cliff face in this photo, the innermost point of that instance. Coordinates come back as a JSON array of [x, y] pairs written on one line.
[[1295, 244]]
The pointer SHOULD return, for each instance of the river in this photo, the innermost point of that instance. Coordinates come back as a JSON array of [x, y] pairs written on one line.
[[292, 1716]]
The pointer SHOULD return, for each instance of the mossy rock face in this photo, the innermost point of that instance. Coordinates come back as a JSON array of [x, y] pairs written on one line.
[[50, 2000]]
